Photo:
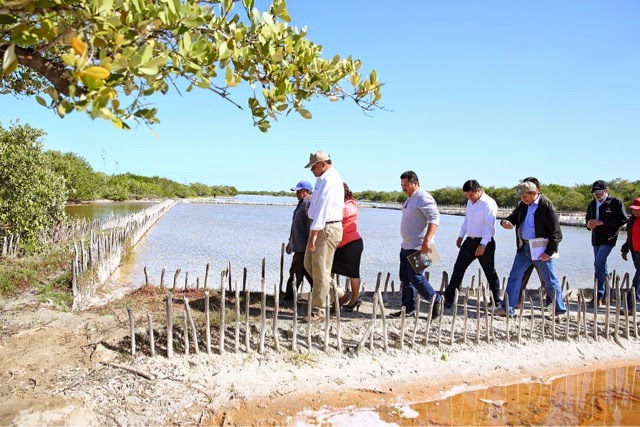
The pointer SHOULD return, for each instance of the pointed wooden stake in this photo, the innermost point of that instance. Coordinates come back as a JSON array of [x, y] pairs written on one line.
[[403, 321], [152, 341], [169, 303], [236, 341], [132, 331], [194, 333], [207, 324]]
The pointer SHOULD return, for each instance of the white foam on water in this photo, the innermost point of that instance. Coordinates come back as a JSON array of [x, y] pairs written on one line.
[[345, 417]]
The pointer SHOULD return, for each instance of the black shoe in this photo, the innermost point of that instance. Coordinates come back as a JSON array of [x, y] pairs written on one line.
[[496, 298], [596, 303], [353, 307], [436, 311], [398, 314], [448, 305]]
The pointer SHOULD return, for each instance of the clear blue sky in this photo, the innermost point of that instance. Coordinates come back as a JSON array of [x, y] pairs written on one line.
[[493, 91]]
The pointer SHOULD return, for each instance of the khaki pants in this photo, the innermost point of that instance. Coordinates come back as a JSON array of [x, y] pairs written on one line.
[[318, 264]]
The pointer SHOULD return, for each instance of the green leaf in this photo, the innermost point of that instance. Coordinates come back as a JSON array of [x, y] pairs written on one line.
[[223, 51], [7, 20], [41, 101], [186, 42], [248, 4], [9, 59], [23, 34], [304, 113]]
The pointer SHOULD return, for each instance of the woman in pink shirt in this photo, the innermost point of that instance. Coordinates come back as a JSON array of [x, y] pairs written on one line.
[[346, 261]]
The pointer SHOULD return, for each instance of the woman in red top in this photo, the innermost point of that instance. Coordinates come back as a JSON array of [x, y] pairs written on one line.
[[633, 245], [346, 260]]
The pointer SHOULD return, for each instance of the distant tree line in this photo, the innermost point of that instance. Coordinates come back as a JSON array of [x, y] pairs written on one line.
[[571, 199], [565, 198], [85, 184], [36, 184]]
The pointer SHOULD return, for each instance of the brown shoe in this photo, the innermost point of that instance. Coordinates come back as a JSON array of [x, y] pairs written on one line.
[[315, 318]]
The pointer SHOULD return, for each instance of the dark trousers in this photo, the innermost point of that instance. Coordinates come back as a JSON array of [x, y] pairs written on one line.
[[296, 273], [413, 282], [466, 256]]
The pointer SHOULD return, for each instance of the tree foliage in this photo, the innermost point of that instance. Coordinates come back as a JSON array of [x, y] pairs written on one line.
[[129, 186], [109, 57], [565, 198], [32, 196], [81, 181]]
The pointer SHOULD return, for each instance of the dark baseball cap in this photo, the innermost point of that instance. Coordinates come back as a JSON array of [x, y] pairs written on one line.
[[599, 186]]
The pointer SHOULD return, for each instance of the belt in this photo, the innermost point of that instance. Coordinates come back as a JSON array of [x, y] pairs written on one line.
[[331, 222]]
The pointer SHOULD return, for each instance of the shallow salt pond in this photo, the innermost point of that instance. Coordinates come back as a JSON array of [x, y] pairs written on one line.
[[603, 398]]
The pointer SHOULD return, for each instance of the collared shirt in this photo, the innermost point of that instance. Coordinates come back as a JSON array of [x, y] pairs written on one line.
[[528, 229], [598, 204], [328, 199], [418, 211], [299, 234], [480, 219]]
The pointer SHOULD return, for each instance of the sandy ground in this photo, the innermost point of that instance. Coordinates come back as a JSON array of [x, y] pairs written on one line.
[[61, 368]]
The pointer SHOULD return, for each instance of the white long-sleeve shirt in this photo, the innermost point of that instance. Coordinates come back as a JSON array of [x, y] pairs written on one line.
[[327, 201], [480, 219]]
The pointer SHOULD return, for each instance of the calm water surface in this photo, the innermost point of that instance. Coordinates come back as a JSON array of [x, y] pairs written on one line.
[[604, 398], [192, 235], [102, 210]]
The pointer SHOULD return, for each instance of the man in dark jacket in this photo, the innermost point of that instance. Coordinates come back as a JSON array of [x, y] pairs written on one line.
[[605, 216], [633, 245], [535, 218]]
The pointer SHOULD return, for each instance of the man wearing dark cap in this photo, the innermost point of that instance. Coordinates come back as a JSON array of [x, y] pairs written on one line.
[[633, 245], [325, 212], [534, 217], [298, 237], [605, 216]]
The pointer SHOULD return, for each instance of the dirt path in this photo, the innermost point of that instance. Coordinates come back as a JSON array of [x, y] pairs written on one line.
[[53, 371]]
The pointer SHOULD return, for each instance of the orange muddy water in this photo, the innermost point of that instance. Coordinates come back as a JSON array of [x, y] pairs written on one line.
[[608, 397]]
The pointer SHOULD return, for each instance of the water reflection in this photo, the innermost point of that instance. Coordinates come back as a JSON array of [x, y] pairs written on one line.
[[102, 210], [192, 235], [607, 397]]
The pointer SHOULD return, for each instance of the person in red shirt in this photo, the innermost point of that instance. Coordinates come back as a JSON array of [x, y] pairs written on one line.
[[633, 245], [346, 260]]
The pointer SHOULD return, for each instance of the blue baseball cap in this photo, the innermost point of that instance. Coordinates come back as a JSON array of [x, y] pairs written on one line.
[[303, 185]]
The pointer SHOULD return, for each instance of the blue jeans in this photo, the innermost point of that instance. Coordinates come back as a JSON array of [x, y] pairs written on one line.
[[635, 256], [600, 255], [413, 282], [521, 262]]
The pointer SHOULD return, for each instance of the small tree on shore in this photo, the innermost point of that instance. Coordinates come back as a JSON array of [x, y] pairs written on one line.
[[32, 196]]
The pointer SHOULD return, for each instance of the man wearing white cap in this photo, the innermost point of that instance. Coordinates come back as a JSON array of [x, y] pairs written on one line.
[[325, 212], [298, 238], [534, 217]]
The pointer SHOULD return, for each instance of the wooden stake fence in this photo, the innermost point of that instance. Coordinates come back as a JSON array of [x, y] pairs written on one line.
[[615, 327]]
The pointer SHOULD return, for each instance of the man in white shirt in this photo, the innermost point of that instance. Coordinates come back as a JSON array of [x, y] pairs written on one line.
[[479, 226], [325, 212]]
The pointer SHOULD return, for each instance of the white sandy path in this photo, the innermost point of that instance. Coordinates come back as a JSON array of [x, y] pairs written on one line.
[[51, 373]]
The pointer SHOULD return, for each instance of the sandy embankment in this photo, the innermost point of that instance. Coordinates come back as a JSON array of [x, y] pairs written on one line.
[[52, 373]]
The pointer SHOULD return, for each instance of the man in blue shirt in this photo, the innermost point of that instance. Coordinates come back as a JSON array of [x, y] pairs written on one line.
[[534, 217], [298, 237]]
